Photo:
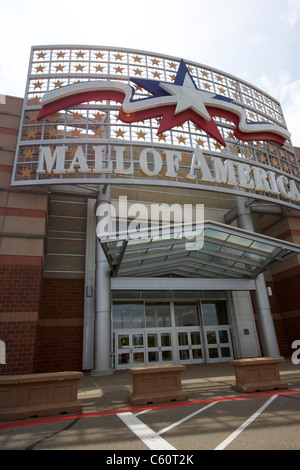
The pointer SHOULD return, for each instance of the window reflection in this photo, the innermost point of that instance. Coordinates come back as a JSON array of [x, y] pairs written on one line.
[[214, 313]]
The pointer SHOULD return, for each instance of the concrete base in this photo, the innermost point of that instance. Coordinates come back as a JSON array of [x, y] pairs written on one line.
[[257, 374], [156, 384], [36, 395]]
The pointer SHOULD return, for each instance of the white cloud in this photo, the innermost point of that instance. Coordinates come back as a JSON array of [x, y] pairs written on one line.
[[292, 14]]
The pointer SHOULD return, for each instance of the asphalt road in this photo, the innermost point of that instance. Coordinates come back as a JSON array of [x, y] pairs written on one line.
[[215, 419]]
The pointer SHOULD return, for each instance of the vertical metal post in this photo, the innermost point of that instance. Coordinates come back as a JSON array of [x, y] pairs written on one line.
[[102, 328], [265, 320]]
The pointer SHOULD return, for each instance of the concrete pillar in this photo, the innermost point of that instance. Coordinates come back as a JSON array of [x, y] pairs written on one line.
[[102, 327], [264, 315]]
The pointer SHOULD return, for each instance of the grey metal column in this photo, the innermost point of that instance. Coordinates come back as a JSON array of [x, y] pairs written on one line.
[[102, 328], [265, 320]]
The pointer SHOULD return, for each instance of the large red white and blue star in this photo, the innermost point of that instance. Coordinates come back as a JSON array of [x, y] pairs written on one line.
[[174, 102]]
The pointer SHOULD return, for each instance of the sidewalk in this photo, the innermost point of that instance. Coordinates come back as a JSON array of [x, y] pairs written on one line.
[[200, 381]]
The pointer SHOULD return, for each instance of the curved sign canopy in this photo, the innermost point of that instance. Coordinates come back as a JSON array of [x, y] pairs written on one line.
[[95, 115]]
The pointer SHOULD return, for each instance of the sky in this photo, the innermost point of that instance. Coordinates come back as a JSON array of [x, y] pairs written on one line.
[[257, 41]]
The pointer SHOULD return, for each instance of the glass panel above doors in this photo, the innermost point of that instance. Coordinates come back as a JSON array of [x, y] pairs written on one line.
[[158, 315], [186, 314], [128, 315], [214, 313]]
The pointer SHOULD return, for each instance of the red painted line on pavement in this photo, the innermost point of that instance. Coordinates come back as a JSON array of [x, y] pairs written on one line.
[[141, 408]]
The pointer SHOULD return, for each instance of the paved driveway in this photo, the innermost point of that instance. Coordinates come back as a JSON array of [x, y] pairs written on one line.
[[213, 418]]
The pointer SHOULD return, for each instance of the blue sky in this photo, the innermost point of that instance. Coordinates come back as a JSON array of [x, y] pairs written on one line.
[[258, 41]]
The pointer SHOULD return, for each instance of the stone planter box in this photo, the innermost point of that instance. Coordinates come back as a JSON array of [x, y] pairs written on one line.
[[257, 374], [35, 395], [156, 384]]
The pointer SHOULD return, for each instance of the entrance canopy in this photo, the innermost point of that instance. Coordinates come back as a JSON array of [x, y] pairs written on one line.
[[219, 251]]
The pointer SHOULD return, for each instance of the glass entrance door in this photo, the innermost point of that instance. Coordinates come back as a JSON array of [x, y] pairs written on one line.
[[159, 347], [130, 349], [218, 344], [190, 348]]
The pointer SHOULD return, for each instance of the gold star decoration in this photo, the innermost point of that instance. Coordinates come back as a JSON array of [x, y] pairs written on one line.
[[76, 132], [118, 69], [99, 68], [248, 154], [98, 132], [172, 65], [76, 116], [41, 55], [155, 62], [59, 68], [185, 159], [200, 142], [31, 134], [38, 84], [33, 101], [285, 167], [40, 68], [80, 55], [98, 116], [162, 137], [118, 57], [26, 173], [137, 72], [156, 74], [54, 117], [60, 55], [181, 139], [291, 158], [230, 135], [79, 67], [218, 146], [120, 133], [137, 59], [234, 150], [58, 84], [99, 55], [53, 133], [275, 162], [28, 154], [33, 117], [141, 135]]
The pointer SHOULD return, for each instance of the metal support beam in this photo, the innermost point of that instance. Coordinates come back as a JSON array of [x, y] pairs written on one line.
[[102, 328], [265, 320]]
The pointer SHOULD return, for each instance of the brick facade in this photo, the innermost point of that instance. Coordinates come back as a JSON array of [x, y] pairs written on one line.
[[60, 325], [41, 318], [22, 233]]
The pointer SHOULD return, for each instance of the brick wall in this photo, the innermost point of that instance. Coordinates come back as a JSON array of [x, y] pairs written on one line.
[[22, 232], [60, 325], [19, 302], [287, 286]]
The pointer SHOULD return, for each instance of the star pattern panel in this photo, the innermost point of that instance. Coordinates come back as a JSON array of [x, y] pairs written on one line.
[[98, 122]]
